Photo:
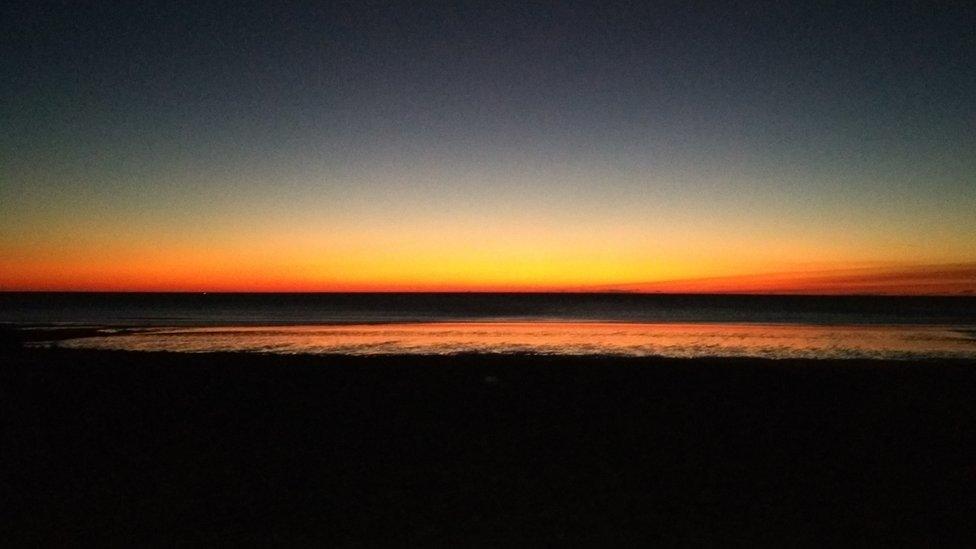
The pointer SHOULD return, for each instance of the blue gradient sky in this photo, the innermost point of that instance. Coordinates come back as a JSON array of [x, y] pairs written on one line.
[[456, 145]]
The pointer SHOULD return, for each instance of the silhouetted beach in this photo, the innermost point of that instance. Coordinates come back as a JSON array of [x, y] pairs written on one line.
[[120, 448]]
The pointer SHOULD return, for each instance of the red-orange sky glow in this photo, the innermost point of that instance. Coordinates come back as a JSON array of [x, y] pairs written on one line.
[[576, 150]]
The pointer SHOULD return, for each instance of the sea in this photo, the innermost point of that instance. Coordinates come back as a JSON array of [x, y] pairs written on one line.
[[615, 324]]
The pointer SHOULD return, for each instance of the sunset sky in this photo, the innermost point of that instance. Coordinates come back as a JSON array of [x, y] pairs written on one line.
[[358, 146]]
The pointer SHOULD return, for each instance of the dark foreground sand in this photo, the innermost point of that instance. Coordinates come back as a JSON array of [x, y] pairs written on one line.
[[123, 448]]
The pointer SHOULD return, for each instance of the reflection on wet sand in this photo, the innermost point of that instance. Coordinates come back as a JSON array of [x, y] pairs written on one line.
[[560, 338]]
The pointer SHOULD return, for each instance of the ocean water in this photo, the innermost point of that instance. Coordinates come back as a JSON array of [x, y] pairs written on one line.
[[552, 324]]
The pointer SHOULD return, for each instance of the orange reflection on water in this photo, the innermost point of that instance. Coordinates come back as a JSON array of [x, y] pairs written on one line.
[[562, 338]]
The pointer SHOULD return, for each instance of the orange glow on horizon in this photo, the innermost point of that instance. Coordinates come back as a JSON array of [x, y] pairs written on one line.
[[922, 280], [199, 273], [517, 255]]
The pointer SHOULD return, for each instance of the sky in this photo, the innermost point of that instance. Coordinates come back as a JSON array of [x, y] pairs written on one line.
[[272, 146]]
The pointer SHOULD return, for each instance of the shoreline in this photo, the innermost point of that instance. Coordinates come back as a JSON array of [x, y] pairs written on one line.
[[682, 341]]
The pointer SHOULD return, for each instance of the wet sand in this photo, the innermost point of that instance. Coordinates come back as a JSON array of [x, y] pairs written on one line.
[[133, 448]]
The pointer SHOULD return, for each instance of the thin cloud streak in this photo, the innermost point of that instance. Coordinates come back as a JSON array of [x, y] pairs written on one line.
[[954, 279]]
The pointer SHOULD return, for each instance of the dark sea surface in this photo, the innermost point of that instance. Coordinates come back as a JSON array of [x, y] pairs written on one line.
[[685, 326], [182, 309]]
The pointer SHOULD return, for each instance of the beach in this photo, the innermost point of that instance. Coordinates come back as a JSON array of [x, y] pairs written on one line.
[[113, 447]]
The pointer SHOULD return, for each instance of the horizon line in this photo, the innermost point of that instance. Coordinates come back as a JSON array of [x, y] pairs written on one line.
[[966, 293]]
